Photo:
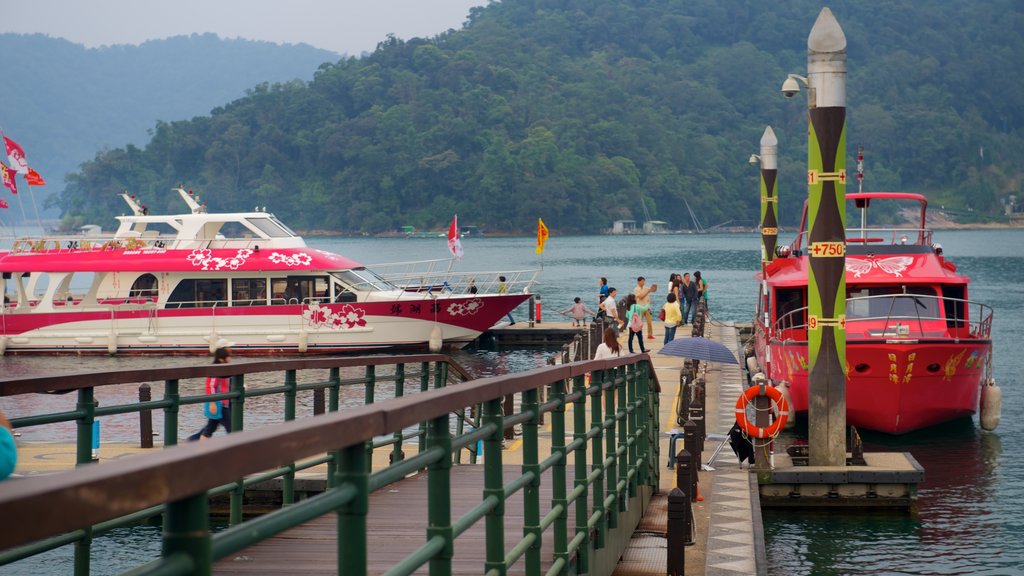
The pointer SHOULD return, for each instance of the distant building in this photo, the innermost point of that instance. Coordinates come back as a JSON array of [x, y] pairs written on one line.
[[624, 227]]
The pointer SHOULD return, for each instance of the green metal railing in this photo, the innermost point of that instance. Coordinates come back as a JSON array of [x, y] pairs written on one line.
[[614, 444]]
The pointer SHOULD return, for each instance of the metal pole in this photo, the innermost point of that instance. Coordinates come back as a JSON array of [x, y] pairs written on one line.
[[826, 217], [145, 418]]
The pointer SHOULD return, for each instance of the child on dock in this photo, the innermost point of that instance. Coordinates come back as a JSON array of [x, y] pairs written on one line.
[[578, 311], [218, 412]]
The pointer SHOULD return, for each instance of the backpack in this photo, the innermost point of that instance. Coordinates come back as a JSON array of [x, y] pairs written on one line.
[[636, 323]]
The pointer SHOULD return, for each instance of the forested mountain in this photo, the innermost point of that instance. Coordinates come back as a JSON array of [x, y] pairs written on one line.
[[577, 111], [63, 102]]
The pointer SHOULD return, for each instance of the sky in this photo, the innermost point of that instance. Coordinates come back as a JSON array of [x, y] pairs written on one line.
[[342, 26]]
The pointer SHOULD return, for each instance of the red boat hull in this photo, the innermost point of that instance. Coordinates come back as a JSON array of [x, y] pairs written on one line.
[[895, 387]]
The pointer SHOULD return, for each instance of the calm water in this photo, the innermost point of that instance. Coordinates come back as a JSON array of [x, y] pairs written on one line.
[[968, 521]]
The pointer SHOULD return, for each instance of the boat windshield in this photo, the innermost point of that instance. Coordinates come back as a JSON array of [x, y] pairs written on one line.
[[272, 227], [363, 279], [892, 302]]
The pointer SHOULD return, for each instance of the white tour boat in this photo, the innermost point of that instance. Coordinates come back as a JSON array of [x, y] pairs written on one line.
[[180, 283]]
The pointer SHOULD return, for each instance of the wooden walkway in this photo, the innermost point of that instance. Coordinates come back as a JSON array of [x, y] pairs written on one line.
[[397, 525]]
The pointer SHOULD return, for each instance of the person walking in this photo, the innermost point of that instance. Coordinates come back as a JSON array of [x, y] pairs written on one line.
[[609, 347], [218, 412], [602, 293], [673, 317], [643, 298], [635, 322], [611, 310], [689, 291]]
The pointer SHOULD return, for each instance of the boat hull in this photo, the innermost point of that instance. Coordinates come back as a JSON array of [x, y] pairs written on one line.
[[894, 387], [255, 330]]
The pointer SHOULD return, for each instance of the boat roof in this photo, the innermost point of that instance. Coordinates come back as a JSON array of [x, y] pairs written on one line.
[[157, 260], [884, 268]]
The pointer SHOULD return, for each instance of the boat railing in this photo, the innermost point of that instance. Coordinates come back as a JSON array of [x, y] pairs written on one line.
[[884, 236], [898, 316], [78, 243], [438, 277]]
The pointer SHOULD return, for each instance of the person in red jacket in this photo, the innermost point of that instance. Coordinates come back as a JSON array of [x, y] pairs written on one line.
[[218, 412]]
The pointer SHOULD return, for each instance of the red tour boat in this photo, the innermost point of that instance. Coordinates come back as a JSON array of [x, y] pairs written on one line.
[[179, 283], [918, 350]]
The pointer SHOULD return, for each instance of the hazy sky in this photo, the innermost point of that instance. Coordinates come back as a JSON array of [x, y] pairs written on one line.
[[343, 26]]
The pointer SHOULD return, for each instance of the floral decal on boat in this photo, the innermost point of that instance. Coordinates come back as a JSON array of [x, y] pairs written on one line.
[[346, 318], [466, 308], [300, 259], [205, 259]]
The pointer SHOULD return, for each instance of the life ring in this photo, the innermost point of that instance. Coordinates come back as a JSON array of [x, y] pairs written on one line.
[[778, 403]]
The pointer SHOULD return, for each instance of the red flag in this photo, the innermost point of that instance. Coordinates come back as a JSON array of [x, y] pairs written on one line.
[[3, 203], [8, 178], [454, 244], [34, 179], [16, 155]]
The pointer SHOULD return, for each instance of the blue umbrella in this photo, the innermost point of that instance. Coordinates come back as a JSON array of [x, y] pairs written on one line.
[[699, 349]]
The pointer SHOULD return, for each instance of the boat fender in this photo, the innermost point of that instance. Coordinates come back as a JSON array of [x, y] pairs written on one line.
[[3, 345], [112, 343], [436, 339], [214, 338], [991, 404], [303, 341], [787, 395], [752, 367], [778, 405]]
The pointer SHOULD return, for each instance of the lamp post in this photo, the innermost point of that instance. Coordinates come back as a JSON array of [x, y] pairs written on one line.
[[826, 238]]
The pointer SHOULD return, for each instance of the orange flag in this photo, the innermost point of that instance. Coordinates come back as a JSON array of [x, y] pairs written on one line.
[[542, 236]]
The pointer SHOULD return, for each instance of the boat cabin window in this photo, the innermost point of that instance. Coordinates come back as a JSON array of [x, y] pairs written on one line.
[[248, 291], [204, 293], [271, 227], [954, 302], [787, 303], [343, 294], [300, 289], [145, 286], [363, 279], [891, 302]]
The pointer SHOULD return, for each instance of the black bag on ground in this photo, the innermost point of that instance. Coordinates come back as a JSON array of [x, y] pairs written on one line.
[[741, 446]]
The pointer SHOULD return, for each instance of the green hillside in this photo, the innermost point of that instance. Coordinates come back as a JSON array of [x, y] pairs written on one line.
[[578, 111]]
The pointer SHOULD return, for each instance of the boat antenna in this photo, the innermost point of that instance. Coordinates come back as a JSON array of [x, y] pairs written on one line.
[[137, 209]]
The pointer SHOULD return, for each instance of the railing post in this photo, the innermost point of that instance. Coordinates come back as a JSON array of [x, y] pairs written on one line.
[[334, 387], [237, 495], [678, 530], [424, 386], [352, 537], [439, 489], [319, 402], [628, 457], [290, 396], [558, 492], [494, 522], [508, 407], [651, 396], [610, 476], [597, 459], [145, 418], [87, 408], [187, 531], [579, 435], [171, 412], [369, 395], [396, 452], [531, 493]]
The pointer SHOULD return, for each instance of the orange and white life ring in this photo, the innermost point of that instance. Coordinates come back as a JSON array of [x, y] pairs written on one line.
[[778, 404]]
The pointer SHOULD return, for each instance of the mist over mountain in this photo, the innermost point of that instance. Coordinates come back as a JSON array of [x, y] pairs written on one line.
[[64, 103], [586, 111]]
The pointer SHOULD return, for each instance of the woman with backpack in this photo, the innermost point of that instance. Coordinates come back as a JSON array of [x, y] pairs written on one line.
[[635, 322]]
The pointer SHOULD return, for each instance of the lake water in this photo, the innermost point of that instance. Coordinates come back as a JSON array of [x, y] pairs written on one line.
[[968, 519]]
